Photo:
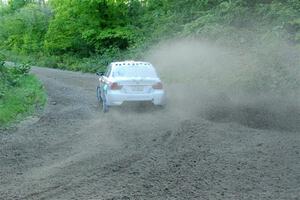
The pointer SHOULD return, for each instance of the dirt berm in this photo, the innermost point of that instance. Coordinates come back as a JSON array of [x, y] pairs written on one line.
[[74, 151]]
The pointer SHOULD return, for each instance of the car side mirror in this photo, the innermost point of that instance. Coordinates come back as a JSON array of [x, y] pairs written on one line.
[[99, 73]]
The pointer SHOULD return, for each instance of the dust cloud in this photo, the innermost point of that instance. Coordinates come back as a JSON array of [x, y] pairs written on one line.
[[257, 86]]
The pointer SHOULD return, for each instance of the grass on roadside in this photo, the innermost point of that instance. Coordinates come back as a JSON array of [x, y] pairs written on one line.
[[18, 102]]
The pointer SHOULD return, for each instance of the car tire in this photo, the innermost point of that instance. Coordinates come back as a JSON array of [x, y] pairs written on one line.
[[99, 94], [104, 105]]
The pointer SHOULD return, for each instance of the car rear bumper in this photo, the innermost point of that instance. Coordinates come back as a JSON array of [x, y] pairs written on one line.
[[117, 98]]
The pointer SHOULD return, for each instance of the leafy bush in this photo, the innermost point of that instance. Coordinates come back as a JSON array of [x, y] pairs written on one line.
[[2, 58], [10, 76]]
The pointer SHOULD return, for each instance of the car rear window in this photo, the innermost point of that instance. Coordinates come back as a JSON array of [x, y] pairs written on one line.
[[134, 71]]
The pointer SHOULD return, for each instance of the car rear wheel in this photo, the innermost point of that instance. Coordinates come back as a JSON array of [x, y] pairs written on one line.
[[102, 100], [99, 94], [104, 105]]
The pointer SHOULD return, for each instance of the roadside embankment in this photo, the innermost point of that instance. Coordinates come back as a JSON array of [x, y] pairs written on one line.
[[21, 93]]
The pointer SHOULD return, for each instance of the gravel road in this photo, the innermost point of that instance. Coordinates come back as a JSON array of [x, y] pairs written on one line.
[[74, 151]]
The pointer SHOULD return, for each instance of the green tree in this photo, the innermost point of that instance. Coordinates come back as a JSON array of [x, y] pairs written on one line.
[[17, 4], [23, 30], [90, 26]]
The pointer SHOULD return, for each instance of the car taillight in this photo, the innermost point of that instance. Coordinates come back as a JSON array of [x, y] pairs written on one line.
[[157, 86], [115, 86]]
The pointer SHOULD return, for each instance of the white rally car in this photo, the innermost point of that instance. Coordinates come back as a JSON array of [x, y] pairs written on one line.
[[129, 81]]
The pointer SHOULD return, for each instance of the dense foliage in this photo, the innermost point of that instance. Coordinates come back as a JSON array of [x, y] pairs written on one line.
[[87, 34]]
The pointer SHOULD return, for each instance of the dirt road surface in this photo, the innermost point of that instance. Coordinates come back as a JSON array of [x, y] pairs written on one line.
[[74, 151]]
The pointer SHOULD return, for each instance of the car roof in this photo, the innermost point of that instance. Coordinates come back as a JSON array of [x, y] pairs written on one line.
[[130, 63]]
